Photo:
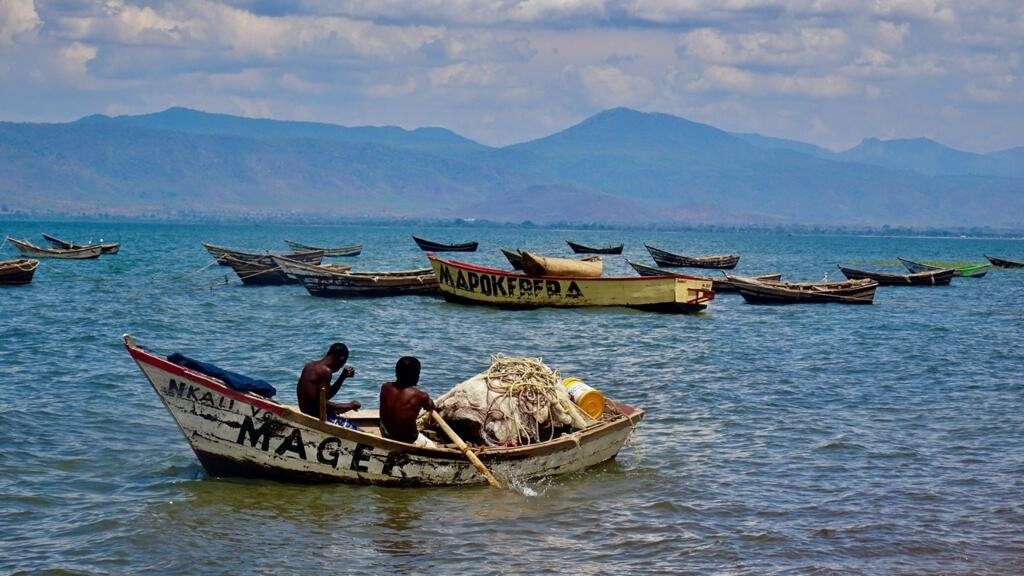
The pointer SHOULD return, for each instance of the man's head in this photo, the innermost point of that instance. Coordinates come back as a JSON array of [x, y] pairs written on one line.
[[407, 371], [337, 356]]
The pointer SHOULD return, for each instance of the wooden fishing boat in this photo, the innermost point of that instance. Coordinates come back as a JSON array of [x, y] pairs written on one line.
[[582, 249], [368, 284], [105, 247], [220, 254], [468, 283], [964, 271], [537, 265], [673, 260], [514, 257], [771, 292], [264, 270], [241, 434], [719, 285], [341, 251], [296, 270], [431, 246], [940, 277], [30, 250], [1004, 262], [19, 271]]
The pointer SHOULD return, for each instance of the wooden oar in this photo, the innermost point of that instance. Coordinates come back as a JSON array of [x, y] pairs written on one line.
[[465, 450]]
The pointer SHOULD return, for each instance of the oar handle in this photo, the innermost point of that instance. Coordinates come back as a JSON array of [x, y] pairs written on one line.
[[466, 451]]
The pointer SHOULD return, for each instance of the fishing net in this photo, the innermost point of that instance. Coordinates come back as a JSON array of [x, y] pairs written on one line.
[[515, 402]]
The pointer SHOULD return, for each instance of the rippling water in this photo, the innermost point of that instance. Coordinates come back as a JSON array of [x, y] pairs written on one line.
[[883, 439]]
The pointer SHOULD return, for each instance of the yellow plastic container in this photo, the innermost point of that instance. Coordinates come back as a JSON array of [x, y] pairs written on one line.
[[589, 400]]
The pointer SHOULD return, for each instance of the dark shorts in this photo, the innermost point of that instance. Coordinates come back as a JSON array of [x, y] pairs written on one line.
[[341, 421]]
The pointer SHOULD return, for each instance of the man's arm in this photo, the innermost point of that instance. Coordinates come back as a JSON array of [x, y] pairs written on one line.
[[346, 372]]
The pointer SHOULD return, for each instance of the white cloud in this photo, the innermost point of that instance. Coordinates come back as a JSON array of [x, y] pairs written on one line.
[[17, 17], [608, 86]]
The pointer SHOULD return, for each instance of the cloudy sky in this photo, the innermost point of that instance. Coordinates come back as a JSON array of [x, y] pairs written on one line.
[[829, 72]]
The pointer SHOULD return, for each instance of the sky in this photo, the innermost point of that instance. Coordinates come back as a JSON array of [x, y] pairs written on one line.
[[827, 72]]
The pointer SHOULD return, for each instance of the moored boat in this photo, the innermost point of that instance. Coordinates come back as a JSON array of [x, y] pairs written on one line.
[[756, 291], [220, 254], [583, 249], [472, 284], [431, 246], [719, 285], [537, 265], [340, 251], [295, 270], [673, 260], [1004, 262], [105, 247], [242, 434], [418, 282], [18, 271], [30, 250], [514, 257], [962, 270], [263, 270], [941, 277]]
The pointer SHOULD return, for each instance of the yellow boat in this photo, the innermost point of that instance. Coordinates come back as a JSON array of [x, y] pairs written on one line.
[[469, 283]]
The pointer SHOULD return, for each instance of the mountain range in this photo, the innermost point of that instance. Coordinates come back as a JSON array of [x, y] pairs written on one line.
[[619, 166]]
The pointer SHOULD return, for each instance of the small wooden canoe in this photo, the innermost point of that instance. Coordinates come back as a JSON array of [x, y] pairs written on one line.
[[18, 271], [471, 284], [295, 270], [673, 260], [537, 265], [582, 249], [241, 434], [718, 284], [940, 277], [431, 246], [341, 251], [417, 282], [769, 292], [220, 254], [105, 247], [1004, 262], [964, 270], [30, 250]]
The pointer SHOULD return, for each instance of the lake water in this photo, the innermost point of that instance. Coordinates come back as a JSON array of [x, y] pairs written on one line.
[[816, 439]]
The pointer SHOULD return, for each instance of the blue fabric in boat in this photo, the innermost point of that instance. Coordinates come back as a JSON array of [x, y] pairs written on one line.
[[236, 381]]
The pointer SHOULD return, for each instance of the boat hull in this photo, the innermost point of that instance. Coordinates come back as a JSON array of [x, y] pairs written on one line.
[[236, 434], [756, 291], [372, 284], [940, 277], [719, 285], [581, 249], [342, 251], [30, 250], [17, 272], [965, 271], [431, 246], [1004, 262], [668, 259], [467, 283], [536, 265]]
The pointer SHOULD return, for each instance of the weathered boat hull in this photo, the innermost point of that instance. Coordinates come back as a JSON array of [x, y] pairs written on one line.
[[372, 284], [17, 272], [30, 250], [514, 257], [342, 251], [105, 247], [220, 254], [295, 271], [468, 283], [1004, 262], [769, 292], [582, 249], [236, 434], [932, 278], [672, 260], [965, 271], [719, 285], [431, 246]]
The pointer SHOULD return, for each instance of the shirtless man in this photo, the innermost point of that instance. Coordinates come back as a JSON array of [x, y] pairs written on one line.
[[401, 402], [316, 376]]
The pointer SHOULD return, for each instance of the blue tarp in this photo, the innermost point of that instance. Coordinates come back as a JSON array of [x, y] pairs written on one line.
[[236, 381]]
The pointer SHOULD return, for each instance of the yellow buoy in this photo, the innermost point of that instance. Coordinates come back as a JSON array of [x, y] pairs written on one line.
[[589, 400]]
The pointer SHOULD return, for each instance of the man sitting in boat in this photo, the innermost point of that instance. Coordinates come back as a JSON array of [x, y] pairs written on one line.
[[315, 389], [401, 402]]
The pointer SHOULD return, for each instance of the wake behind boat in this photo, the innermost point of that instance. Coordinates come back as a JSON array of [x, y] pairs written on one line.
[[237, 433]]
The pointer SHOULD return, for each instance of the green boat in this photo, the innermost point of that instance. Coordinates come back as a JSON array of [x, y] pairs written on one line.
[[969, 270]]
